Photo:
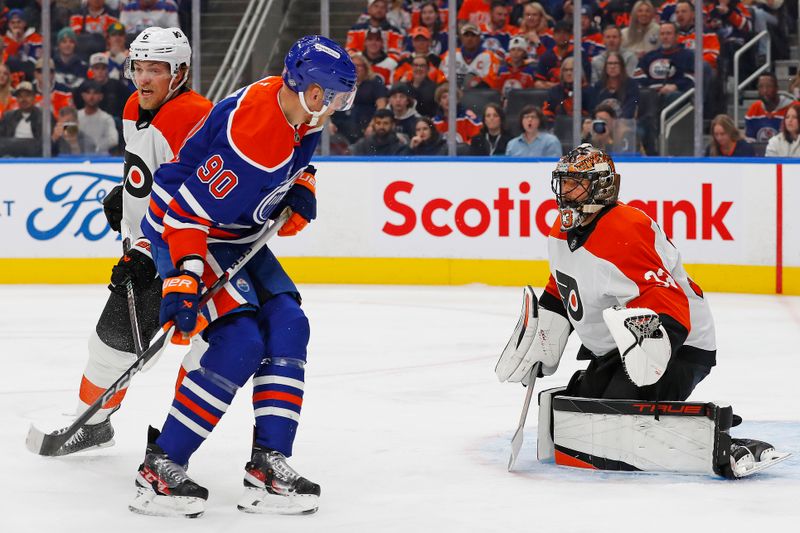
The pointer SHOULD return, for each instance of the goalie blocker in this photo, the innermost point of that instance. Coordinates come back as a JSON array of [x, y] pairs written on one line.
[[635, 435]]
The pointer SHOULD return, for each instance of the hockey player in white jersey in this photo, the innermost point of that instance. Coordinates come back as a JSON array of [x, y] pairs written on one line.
[[618, 281], [156, 120]]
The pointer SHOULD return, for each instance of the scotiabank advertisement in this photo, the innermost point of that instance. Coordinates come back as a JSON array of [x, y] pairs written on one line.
[[716, 213]]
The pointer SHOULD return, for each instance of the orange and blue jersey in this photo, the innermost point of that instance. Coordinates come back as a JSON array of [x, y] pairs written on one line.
[[711, 46], [510, 77], [231, 172], [468, 125], [497, 40]]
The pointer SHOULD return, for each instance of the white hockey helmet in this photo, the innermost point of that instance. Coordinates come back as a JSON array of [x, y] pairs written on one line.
[[169, 45]]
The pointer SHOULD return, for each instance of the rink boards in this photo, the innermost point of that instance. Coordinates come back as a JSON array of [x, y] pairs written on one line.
[[401, 221]]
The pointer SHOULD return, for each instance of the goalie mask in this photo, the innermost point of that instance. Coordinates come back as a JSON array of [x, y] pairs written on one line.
[[584, 182]]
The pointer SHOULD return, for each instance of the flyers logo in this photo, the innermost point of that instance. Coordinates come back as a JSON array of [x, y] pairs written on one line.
[[138, 178], [570, 295]]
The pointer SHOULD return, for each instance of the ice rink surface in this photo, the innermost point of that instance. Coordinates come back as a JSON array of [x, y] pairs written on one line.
[[404, 424]]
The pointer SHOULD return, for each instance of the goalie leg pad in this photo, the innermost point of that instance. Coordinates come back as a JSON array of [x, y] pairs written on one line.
[[545, 450], [626, 435]]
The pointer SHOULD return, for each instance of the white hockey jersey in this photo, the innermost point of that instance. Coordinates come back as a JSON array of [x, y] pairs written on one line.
[[624, 259], [151, 139]]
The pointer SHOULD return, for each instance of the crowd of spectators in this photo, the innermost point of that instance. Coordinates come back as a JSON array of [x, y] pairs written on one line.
[[514, 66], [515, 72], [88, 89]]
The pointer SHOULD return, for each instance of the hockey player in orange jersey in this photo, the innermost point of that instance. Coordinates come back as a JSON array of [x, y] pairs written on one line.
[[156, 120], [619, 282]]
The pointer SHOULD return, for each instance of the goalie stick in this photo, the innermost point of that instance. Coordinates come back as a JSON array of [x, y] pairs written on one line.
[[516, 440], [48, 444], [516, 348]]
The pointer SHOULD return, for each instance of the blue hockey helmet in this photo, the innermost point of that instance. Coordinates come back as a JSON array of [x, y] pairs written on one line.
[[315, 59]]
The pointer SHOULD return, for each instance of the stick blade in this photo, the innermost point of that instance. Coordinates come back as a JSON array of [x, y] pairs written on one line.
[[35, 440], [516, 446]]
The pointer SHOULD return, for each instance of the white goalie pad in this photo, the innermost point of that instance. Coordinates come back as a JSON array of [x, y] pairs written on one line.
[[545, 450], [626, 435]]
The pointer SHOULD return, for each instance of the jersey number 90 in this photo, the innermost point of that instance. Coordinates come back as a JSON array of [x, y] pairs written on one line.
[[220, 182]]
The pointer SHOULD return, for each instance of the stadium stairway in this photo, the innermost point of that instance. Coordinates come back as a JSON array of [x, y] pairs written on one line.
[[218, 22], [303, 19]]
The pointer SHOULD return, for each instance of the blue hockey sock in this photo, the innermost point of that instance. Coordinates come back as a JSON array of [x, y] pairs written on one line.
[[235, 351], [279, 383]]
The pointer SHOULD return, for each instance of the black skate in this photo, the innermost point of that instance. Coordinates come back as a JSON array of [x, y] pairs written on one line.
[[749, 456], [163, 488], [88, 437], [272, 486]]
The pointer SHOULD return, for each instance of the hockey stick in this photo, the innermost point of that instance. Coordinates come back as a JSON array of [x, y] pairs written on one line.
[[516, 440], [138, 346], [49, 443]]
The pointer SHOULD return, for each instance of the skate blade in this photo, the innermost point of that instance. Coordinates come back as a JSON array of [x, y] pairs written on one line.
[[752, 468], [106, 444], [262, 502], [149, 503]]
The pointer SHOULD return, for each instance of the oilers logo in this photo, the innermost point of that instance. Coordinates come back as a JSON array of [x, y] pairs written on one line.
[[242, 285], [661, 69], [264, 209], [138, 178]]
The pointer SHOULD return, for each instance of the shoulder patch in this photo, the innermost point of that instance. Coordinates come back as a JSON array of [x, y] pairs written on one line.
[[177, 117], [258, 130]]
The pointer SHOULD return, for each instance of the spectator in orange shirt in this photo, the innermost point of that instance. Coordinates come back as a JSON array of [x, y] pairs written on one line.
[[60, 95], [20, 70], [684, 20], [419, 43], [90, 24], [497, 33], [468, 125], [7, 100], [475, 12], [22, 41], [518, 72], [392, 36]]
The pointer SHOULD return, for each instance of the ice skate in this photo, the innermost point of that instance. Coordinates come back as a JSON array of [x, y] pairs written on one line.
[[749, 456], [88, 437], [272, 486], [163, 488]]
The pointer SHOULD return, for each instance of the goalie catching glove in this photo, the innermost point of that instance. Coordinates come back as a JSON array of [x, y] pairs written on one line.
[[540, 335], [643, 343]]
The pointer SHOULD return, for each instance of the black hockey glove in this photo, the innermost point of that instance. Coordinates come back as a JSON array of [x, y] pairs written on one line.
[[134, 266], [112, 207]]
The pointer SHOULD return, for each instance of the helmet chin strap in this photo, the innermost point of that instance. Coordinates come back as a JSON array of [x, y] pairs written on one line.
[[315, 115]]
